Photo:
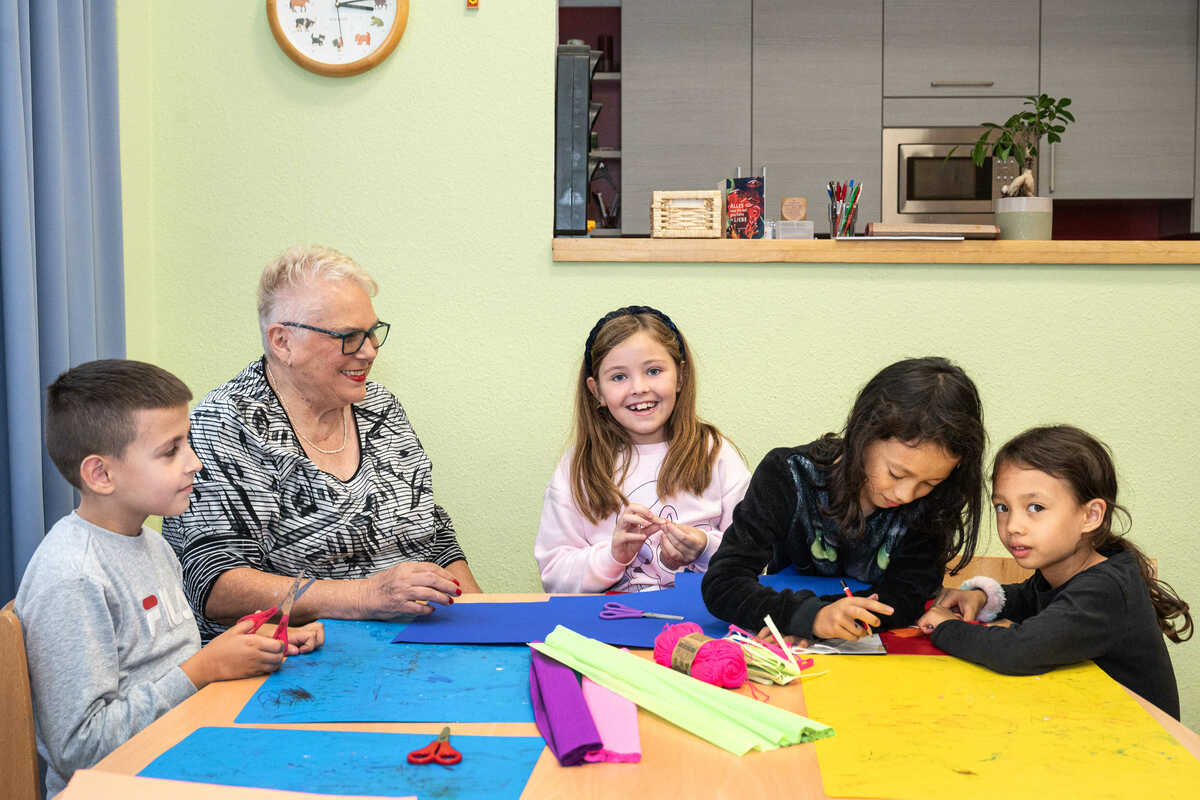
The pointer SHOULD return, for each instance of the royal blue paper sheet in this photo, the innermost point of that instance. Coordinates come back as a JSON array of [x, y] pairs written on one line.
[[482, 623], [358, 676], [530, 622], [340, 762], [789, 578]]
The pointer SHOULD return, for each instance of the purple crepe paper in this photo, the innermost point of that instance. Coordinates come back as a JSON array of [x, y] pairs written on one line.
[[559, 710]]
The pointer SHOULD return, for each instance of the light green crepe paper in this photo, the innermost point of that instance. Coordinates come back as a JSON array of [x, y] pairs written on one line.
[[724, 718]]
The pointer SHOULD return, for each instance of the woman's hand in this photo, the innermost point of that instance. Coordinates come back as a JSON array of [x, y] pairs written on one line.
[[635, 525], [406, 590], [967, 603], [680, 545], [841, 619], [306, 638], [935, 616]]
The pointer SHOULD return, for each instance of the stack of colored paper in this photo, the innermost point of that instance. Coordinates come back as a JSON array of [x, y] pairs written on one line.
[[728, 720]]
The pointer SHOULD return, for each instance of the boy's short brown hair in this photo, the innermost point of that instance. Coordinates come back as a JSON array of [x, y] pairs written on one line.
[[90, 408]]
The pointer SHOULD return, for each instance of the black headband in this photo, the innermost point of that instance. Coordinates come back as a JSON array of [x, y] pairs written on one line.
[[627, 311]]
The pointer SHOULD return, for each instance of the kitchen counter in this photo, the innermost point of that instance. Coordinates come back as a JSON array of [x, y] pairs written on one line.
[[866, 250]]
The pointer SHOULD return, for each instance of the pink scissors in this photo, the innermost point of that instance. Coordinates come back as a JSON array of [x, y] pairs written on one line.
[[622, 611], [289, 602]]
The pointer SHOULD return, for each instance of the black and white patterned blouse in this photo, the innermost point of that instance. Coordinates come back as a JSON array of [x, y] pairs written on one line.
[[259, 502]]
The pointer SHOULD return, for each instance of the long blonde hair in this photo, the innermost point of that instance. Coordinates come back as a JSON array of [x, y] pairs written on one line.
[[603, 449]]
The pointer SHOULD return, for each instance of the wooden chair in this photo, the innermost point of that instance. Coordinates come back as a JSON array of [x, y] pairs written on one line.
[[18, 749], [1003, 568]]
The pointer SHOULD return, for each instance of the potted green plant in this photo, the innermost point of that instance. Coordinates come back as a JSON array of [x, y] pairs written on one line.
[[1021, 214]]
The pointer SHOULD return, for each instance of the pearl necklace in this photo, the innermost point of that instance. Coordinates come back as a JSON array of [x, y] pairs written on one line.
[[318, 448]]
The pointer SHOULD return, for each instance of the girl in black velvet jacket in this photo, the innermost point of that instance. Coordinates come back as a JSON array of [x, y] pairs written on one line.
[[889, 502]]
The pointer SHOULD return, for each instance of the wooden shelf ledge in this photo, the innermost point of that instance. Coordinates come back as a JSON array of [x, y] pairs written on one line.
[[824, 251]]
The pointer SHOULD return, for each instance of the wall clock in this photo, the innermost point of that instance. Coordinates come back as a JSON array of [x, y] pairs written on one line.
[[337, 37]]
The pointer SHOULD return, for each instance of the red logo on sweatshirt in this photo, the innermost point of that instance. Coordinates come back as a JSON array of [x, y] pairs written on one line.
[[149, 602]]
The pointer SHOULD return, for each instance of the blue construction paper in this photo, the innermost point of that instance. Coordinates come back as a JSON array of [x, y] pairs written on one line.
[[789, 578], [340, 762], [482, 623], [358, 676], [530, 622], [584, 615]]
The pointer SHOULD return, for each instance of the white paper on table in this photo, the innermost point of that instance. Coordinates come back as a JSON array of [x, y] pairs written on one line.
[[866, 646]]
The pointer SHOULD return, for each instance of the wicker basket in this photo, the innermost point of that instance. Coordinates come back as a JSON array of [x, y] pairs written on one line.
[[686, 215]]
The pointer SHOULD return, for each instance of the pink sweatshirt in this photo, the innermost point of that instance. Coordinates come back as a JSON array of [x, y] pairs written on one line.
[[576, 556]]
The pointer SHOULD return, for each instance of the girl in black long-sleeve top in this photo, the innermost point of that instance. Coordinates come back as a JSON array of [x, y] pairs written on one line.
[[889, 503], [1094, 594]]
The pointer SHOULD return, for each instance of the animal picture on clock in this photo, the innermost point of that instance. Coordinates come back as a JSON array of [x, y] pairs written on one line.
[[337, 38]]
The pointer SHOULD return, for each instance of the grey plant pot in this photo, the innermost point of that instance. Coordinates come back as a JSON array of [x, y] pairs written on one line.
[[1025, 217]]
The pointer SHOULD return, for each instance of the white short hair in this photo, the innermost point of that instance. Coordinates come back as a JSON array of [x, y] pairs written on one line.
[[300, 267]]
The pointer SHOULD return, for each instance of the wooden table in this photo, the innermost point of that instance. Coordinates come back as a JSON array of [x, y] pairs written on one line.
[[672, 760]]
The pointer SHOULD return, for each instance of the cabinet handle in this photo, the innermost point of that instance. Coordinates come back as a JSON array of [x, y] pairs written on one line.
[[961, 83]]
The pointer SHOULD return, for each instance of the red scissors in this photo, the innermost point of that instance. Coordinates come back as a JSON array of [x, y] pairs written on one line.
[[439, 750], [289, 602]]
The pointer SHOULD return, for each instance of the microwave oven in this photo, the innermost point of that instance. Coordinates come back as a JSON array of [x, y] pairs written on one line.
[[928, 176]]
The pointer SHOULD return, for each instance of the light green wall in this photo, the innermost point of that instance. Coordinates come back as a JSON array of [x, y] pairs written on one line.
[[435, 170]]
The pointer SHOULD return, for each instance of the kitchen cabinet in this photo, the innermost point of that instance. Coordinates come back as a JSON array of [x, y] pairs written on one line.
[[816, 114], [1130, 71], [685, 95], [956, 48]]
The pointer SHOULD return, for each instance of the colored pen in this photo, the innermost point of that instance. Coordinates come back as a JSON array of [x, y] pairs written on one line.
[[846, 591]]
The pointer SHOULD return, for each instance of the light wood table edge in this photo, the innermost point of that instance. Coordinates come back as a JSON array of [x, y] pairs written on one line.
[[219, 703], [825, 251]]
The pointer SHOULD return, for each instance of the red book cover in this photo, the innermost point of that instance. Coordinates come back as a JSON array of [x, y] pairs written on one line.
[[744, 206]]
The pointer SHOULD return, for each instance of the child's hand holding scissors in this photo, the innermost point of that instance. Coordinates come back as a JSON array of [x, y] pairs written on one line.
[[635, 525], [680, 545], [966, 602], [935, 616]]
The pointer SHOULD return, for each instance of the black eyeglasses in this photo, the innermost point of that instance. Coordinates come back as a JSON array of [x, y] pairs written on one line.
[[352, 341]]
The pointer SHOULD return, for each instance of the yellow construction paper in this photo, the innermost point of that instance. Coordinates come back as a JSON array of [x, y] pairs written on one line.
[[937, 728]]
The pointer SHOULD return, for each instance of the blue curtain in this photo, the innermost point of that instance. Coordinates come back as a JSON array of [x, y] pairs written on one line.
[[60, 241]]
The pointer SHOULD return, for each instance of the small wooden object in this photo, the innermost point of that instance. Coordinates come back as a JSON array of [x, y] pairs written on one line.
[[686, 215], [932, 229], [794, 208]]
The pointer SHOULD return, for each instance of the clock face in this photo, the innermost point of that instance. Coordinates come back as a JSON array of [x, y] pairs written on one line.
[[337, 37]]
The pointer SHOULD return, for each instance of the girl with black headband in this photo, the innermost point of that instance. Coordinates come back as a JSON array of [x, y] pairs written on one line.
[[648, 487]]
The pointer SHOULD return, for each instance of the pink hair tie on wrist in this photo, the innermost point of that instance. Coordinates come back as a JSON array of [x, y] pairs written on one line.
[[995, 596]]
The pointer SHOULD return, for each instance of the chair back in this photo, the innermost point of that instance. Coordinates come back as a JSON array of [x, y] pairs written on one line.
[[18, 747], [1004, 569]]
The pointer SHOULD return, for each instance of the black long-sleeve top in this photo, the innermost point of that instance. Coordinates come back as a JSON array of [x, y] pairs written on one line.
[[1104, 613], [780, 522]]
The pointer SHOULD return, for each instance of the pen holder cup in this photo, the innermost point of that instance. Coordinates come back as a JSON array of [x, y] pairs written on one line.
[[841, 223]]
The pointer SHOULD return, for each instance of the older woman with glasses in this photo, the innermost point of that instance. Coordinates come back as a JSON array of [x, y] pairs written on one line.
[[309, 466]]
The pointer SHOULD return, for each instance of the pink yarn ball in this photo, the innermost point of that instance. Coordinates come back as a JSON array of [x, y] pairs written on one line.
[[718, 662]]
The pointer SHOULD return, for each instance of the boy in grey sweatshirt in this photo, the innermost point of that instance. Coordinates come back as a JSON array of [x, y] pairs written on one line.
[[109, 637]]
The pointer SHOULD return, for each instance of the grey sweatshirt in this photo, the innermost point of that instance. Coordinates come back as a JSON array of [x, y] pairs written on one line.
[[106, 627]]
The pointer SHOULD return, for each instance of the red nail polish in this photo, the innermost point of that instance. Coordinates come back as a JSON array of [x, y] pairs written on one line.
[[456, 583], [458, 593], [451, 601]]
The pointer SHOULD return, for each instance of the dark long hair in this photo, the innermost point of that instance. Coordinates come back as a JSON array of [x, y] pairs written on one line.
[[1085, 464], [917, 400]]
